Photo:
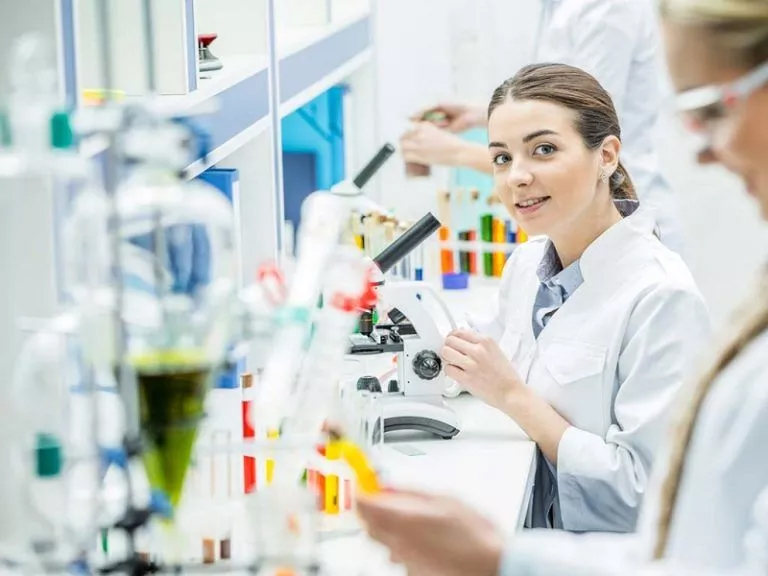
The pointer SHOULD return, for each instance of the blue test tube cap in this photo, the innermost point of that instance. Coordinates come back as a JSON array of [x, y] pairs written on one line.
[[456, 281], [160, 505], [113, 457]]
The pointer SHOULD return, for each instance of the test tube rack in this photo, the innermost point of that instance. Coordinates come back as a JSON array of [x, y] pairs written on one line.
[[478, 236]]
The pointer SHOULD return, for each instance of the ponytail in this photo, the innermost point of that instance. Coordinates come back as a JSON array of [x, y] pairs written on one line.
[[621, 185], [753, 324]]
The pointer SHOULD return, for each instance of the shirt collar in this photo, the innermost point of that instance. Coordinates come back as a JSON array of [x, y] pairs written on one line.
[[608, 247], [551, 271], [610, 250]]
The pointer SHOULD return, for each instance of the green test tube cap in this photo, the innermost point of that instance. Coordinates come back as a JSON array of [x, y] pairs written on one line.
[[48, 456], [62, 135], [6, 138]]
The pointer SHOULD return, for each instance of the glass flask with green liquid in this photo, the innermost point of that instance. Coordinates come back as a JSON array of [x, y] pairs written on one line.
[[172, 388]]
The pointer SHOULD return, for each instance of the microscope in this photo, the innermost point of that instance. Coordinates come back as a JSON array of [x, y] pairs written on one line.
[[413, 401]]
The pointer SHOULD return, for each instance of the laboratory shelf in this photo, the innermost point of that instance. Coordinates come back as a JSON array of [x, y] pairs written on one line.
[[240, 94], [232, 103], [236, 71], [315, 58], [278, 57]]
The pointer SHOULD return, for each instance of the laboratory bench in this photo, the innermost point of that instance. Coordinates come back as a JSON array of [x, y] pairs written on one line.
[[489, 465]]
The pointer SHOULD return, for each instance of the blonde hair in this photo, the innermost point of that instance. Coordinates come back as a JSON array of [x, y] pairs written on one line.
[[739, 28], [752, 322]]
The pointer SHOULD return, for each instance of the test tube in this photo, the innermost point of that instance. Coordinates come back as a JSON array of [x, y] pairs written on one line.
[[249, 433], [474, 210], [486, 235], [418, 263], [444, 234], [209, 551], [498, 238]]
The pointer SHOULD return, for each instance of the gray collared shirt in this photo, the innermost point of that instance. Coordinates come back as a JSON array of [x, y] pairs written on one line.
[[558, 283]]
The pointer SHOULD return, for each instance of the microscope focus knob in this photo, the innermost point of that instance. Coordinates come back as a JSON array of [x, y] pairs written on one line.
[[427, 365], [368, 384]]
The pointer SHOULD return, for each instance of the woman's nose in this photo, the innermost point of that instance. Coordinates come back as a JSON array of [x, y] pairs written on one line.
[[519, 175]]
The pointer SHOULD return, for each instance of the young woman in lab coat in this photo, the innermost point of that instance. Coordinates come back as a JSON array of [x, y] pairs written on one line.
[[706, 511], [595, 321], [617, 42]]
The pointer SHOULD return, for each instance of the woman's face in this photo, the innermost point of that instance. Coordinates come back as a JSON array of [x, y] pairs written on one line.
[[544, 174], [738, 138]]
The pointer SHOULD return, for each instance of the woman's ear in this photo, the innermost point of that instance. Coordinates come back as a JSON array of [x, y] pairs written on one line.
[[609, 154]]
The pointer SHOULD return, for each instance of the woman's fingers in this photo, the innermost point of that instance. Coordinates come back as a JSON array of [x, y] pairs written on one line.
[[467, 335], [462, 345], [456, 358]]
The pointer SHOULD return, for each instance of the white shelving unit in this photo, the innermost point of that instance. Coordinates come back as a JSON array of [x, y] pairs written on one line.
[[278, 55]]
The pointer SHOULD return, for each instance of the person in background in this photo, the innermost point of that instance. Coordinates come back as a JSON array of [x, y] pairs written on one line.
[[706, 511], [615, 41]]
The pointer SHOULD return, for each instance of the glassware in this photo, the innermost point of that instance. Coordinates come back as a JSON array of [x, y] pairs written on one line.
[[53, 457], [162, 317]]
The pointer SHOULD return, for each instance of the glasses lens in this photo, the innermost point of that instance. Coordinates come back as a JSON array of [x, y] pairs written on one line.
[[703, 119]]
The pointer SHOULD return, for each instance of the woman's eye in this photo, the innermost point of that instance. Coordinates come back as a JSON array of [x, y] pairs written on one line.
[[544, 150], [711, 113], [501, 159]]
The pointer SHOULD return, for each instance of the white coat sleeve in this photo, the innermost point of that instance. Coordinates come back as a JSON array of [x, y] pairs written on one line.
[[602, 479], [604, 34], [555, 553], [548, 552], [543, 552]]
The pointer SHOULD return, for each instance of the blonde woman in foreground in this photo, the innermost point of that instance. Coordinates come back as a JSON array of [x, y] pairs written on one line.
[[703, 513]]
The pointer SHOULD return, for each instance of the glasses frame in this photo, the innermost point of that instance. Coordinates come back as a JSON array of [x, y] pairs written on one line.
[[725, 96]]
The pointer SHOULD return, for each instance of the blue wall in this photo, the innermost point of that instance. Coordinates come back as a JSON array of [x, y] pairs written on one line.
[[313, 149]]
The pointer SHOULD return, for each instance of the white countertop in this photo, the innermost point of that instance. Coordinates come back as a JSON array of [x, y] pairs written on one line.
[[488, 465]]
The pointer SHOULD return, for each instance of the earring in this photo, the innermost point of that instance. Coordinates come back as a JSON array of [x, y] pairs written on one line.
[[604, 176]]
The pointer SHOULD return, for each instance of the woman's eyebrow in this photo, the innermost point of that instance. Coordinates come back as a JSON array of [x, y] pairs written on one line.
[[538, 133]]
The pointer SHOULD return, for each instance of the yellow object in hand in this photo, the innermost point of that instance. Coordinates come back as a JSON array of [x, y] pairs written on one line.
[[353, 455]]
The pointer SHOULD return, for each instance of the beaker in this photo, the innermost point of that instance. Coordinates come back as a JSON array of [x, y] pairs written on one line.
[[52, 446], [286, 525]]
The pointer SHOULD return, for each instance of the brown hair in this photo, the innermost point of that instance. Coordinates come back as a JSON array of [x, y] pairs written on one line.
[[739, 30], [578, 91]]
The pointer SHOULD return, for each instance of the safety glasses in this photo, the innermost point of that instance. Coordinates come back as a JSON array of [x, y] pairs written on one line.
[[702, 107]]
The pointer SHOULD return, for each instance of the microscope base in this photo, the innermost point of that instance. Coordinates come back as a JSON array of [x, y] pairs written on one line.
[[425, 415]]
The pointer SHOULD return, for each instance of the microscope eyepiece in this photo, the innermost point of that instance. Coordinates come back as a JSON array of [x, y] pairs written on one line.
[[406, 243]]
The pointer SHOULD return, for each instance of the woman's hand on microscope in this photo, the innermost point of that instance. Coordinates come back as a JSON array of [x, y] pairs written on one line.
[[477, 363], [432, 534]]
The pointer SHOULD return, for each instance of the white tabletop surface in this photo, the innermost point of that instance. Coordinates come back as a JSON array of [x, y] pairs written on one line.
[[488, 465]]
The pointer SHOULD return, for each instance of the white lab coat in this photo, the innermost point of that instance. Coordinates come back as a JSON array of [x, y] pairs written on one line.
[[617, 42], [721, 517], [610, 361]]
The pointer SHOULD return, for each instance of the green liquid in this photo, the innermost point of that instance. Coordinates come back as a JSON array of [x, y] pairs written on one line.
[[171, 404]]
